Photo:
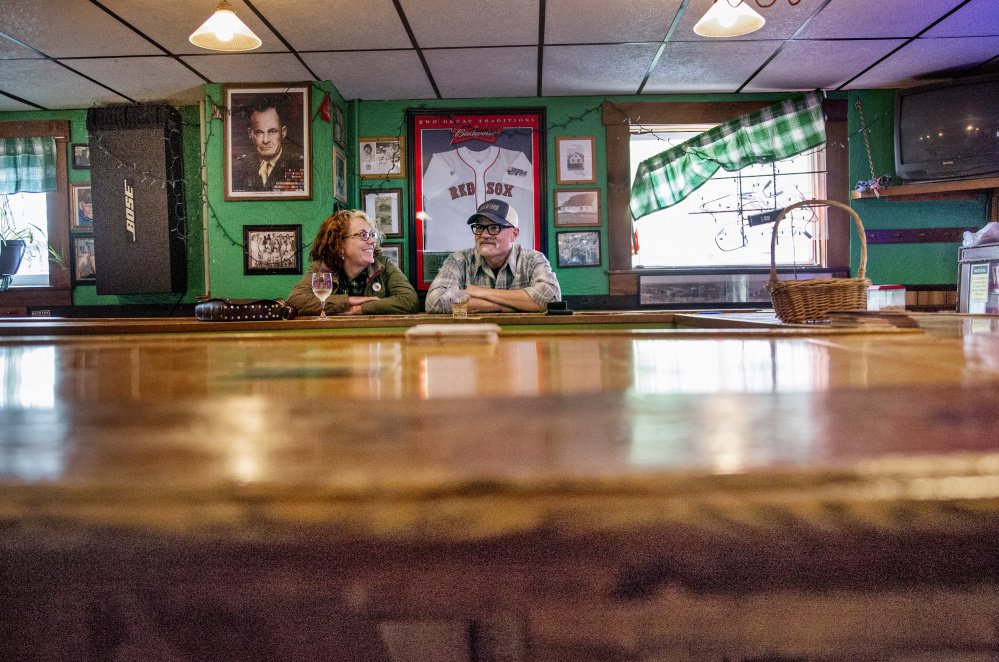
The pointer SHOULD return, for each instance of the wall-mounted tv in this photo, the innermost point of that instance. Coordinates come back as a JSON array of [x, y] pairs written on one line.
[[949, 130]]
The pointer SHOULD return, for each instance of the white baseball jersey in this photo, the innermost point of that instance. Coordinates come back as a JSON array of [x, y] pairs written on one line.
[[458, 181]]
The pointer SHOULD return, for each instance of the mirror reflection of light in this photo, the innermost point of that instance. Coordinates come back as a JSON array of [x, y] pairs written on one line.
[[246, 450], [27, 388], [28, 377]]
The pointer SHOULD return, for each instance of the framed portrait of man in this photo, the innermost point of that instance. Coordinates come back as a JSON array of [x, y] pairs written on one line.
[[267, 142], [82, 214]]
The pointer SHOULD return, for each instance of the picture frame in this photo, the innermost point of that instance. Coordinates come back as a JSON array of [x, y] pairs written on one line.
[[339, 174], [384, 208], [81, 156], [575, 160], [268, 122], [84, 266], [272, 249], [578, 249], [393, 252], [81, 217], [339, 126], [381, 156], [577, 207], [460, 159]]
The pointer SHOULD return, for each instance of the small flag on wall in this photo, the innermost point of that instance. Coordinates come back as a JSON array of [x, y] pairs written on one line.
[[324, 109]]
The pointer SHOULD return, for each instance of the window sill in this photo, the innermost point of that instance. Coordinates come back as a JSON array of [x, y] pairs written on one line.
[[16, 300]]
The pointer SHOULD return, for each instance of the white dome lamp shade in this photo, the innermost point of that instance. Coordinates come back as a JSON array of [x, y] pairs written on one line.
[[726, 20], [223, 31]]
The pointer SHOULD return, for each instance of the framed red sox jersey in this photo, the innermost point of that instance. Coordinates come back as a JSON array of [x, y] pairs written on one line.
[[460, 159]]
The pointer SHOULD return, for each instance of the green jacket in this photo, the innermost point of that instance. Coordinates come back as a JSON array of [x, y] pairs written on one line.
[[385, 281]]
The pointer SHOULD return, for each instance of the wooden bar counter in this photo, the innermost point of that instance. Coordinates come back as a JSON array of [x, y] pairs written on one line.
[[620, 486]]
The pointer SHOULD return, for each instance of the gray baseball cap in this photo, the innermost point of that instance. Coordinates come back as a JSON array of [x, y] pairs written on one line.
[[497, 211]]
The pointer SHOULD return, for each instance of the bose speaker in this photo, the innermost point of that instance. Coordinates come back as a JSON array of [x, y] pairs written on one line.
[[137, 187]]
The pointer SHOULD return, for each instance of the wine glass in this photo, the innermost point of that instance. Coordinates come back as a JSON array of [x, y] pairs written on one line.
[[322, 287]]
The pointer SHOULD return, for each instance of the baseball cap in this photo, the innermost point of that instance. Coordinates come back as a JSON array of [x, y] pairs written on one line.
[[498, 212]]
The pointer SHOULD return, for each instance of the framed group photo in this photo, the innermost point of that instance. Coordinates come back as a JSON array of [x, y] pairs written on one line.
[[81, 156], [577, 207], [272, 249], [578, 249], [267, 142], [82, 214], [384, 208], [381, 157], [575, 160], [461, 159]]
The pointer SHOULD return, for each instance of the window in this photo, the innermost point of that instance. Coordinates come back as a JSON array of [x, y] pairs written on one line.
[[711, 227], [27, 211]]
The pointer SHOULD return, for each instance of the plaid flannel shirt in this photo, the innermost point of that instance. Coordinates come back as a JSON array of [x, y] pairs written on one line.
[[27, 165], [525, 269], [770, 134]]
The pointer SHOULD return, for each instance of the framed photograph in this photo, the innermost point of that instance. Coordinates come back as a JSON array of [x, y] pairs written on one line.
[[575, 160], [577, 207], [272, 249], [267, 142], [82, 214], [461, 159], [84, 267], [339, 174], [381, 157], [393, 252], [578, 249], [81, 156], [339, 126], [384, 208]]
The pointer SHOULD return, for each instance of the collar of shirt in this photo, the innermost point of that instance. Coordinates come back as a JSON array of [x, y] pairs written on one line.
[[511, 262]]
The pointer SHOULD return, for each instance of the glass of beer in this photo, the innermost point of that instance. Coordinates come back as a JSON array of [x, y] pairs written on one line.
[[459, 304]]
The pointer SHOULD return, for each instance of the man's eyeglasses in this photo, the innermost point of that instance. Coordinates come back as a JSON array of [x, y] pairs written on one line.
[[493, 230], [365, 234]]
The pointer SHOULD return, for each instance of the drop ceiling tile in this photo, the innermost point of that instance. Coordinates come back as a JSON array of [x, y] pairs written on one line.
[[597, 69], [829, 64], [171, 23], [437, 23], [336, 25], [883, 18], [708, 66], [145, 79], [61, 89], [928, 60], [373, 75], [10, 105], [11, 50], [68, 28], [251, 67], [458, 72], [608, 21], [978, 18]]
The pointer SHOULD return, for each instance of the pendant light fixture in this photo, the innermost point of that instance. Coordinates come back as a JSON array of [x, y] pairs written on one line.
[[223, 31], [727, 20]]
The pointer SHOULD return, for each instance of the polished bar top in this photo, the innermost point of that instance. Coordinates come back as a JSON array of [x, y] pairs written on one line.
[[224, 432]]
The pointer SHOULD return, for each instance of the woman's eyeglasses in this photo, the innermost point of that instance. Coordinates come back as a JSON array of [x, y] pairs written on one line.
[[493, 230], [365, 234]]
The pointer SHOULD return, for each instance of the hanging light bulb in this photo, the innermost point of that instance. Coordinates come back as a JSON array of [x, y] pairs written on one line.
[[724, 20], [223, 31]]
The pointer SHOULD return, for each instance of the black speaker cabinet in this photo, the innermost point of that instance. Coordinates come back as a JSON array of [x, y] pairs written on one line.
[[137, 184]]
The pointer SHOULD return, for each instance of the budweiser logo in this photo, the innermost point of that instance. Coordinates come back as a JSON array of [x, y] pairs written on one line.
[[463, 134]]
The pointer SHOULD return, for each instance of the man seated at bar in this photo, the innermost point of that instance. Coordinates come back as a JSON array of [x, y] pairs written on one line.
[[364, 282], [498, 275]]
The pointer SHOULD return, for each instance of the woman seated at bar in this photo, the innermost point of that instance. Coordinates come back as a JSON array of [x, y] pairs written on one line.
[[364, 282]]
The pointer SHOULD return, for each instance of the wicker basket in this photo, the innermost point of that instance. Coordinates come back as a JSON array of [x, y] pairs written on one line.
[[797, 301]]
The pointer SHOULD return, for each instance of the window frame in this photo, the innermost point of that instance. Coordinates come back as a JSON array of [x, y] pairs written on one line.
[[59, 290], [623, 278]]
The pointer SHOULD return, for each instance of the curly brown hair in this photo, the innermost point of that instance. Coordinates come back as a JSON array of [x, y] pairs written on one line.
[[332, 236]]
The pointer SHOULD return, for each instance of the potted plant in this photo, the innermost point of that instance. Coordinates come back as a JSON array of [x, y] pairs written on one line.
[[15, 244]]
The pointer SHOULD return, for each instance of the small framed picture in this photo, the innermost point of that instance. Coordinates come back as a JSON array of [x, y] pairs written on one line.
[[575, 160], [84, 267], [578, 249], [384, 208], [382, 157], [339, 126], [393, 253], [272, 249], [82, 216], [577, 207], [81, 156], [339, 174]]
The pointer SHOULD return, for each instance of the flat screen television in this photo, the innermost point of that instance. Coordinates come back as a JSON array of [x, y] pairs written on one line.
[[949, 130]]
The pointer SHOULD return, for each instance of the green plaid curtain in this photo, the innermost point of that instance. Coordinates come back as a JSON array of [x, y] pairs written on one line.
[[27, 165], [770, 134]]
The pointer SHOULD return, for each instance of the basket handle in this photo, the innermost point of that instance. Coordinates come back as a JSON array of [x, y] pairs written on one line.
[[862, 269]]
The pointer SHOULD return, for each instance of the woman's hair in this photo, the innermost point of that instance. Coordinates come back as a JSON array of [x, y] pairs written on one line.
[[332, 236]]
